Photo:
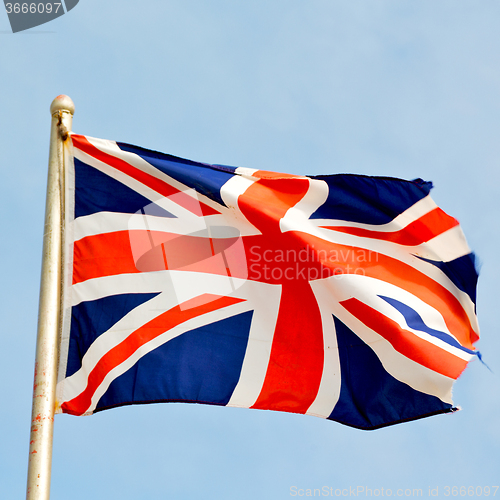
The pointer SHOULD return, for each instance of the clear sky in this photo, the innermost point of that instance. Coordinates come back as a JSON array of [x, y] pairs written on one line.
[[380, 87]]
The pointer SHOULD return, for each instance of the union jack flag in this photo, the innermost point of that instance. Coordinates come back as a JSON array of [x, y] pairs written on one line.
[[347, 297]]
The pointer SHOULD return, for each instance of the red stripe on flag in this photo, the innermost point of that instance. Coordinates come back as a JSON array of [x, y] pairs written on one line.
[[154, 328], [406, 342], [267, 201], [193, 205], [266, 174], [296, 360], [102, 255], [425, 228], [123, 252], [297, 355]]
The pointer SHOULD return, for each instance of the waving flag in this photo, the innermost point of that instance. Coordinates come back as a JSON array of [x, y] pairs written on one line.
[[347, 297]]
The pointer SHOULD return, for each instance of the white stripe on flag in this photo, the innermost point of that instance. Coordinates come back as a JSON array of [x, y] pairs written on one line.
[[329, 389], [265, 300]]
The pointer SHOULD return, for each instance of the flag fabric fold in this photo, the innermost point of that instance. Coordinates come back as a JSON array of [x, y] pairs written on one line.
[[347, 297]]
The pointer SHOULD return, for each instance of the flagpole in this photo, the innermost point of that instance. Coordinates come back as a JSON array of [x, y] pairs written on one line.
[[42, 418]]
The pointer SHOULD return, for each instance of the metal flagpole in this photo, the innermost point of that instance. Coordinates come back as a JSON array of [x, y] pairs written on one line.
[[42, 418]]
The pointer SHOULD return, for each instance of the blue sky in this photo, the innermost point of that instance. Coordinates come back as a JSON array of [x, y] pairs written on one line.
[[386, 87]]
